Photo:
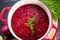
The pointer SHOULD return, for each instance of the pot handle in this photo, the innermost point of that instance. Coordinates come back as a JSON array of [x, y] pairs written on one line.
[[2, 12]]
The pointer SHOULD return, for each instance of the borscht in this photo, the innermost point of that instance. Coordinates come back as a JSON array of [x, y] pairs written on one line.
[[30, 22]]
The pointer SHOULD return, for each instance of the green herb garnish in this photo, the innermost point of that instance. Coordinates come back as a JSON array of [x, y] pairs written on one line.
[[30, 24], [54, 6]]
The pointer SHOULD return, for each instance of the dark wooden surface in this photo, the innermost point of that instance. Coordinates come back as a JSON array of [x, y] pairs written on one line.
[[58, 37]]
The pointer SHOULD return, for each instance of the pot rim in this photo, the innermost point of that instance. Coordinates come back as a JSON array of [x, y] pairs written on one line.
[[24, 2]]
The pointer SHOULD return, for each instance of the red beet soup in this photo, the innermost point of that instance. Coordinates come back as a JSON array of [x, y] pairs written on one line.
[[30, 22]]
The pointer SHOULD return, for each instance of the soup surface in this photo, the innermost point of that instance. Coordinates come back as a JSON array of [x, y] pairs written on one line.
[[30, 22]]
